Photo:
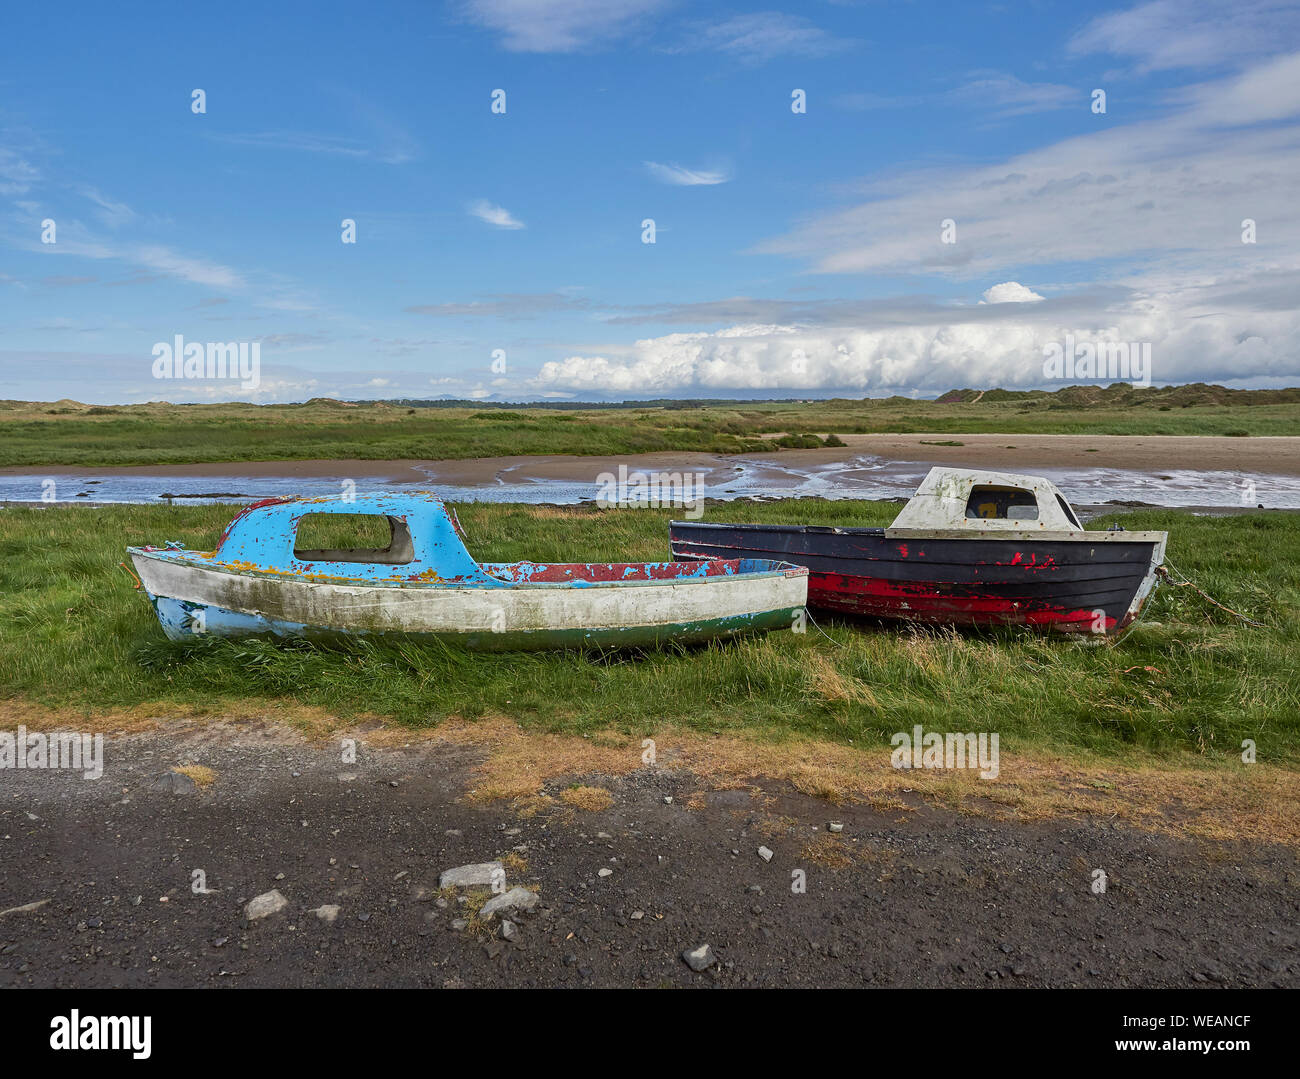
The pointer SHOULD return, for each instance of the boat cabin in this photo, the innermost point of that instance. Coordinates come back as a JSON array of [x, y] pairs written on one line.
[[963, 499]]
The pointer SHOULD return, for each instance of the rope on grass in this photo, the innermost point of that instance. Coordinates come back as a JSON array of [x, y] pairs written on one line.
[[837, 644], [1185, 583], [139, 584]]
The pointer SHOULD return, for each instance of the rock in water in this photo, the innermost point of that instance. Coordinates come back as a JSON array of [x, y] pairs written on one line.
[[479, 875], [263, 905], [700, 958]]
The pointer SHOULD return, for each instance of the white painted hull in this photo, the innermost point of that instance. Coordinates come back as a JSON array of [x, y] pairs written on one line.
[[192, 599]]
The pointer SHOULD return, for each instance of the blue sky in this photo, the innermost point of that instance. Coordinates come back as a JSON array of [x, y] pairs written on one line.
[[795, 254]]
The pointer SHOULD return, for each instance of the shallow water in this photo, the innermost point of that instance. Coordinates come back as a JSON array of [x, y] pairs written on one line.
[[862, 477]]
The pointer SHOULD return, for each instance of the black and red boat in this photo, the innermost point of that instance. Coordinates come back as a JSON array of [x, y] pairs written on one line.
[[969, 548]]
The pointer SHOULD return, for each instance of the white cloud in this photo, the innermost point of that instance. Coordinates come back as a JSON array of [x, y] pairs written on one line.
[[559, 25], [1236, 331], [1168, 34], [682, 177], [494, 215], [761, 36], [17, 174], [1174, 187], [1006, 95], [1010, 292]]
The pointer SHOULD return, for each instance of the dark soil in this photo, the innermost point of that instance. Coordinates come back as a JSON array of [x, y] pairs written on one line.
[[929, 897]]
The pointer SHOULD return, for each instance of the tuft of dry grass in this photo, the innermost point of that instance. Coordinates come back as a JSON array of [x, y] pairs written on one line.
[[202, 775], [828, 851], [592, 799], [514, 863], [835, 687]]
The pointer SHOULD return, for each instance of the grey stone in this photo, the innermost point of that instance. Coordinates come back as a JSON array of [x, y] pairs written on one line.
[[508, 929], [478, 875], [515, 899], [765, 854], [327, 912], [176, 782], [700, 958], [264, 905]]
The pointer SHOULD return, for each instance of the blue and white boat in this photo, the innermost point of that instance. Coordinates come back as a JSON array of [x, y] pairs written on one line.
[[425, 583]]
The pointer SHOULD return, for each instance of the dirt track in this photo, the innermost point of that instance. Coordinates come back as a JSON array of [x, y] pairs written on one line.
[[930, 897]]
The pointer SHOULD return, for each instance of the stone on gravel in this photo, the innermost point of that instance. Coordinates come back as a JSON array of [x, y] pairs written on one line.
[[700, 958], [604, 872], [508, 929], [478, 875], [765, 854], [176, 782], [264, 905], [459, 923], [836, 826], [515, 899], [26, 908], [326, 912]]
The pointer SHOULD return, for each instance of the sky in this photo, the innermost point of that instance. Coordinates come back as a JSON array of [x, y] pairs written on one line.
[[845, 198]]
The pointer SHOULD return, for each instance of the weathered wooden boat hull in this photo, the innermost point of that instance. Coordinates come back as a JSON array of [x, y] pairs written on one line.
[[607, 606], [1080, 582]]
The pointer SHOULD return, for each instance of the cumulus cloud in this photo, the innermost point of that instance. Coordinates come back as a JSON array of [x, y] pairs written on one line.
[[1010, 292], [1230, 333]]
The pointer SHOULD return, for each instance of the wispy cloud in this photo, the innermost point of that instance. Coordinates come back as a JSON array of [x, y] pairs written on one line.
[[508, 305], [1006, 95], [559, 25], [1168, 34], [17, 174], [762, 36], [683, 177], [1109, 195], [999, 94], [111, 213], [494, 215]]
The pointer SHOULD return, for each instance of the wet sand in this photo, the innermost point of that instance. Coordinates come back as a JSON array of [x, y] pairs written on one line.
[[1013, 453]]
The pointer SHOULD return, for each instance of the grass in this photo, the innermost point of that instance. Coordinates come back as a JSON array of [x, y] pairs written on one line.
[[67, 433], [1190, 680]]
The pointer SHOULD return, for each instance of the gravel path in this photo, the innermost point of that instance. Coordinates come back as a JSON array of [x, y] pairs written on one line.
[[927, 897]]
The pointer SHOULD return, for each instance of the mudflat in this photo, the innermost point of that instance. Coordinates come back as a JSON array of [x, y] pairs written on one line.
[[1276, 455]]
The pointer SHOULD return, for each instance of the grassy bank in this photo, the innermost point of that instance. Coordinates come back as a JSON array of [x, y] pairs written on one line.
[[67, 433], [1190, 679]]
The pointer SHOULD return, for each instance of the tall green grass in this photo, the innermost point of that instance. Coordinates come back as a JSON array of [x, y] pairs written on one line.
[[34, 434], [73, 633]]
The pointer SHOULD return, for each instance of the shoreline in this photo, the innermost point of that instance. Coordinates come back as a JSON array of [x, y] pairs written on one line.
[[1271, 455]]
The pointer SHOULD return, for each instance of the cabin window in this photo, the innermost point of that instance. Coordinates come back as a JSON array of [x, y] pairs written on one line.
[[1002, 504], [353, 537], [1069, 513]]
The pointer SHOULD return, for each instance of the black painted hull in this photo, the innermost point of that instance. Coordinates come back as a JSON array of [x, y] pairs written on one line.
[[1095, 583]]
